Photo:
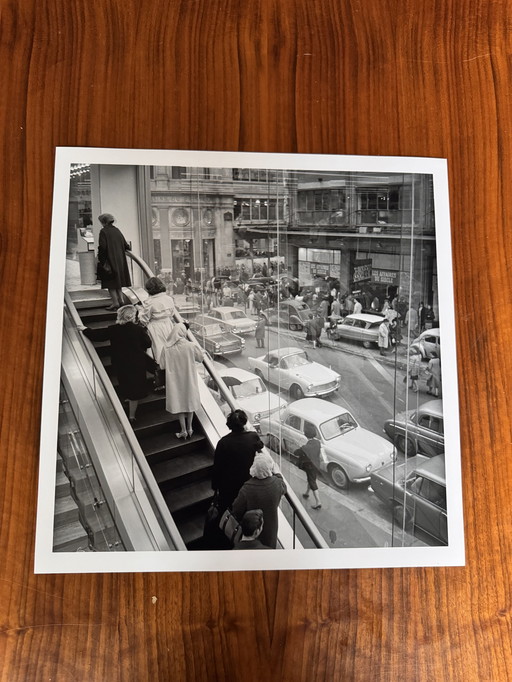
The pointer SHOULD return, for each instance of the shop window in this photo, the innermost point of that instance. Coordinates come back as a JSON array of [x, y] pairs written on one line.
[[178, 172]]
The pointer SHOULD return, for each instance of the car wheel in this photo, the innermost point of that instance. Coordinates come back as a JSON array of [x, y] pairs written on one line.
[[398, 515], [367, 344], [273, 443], [296, 392], [338, 476], [406, 445], [293, 327]]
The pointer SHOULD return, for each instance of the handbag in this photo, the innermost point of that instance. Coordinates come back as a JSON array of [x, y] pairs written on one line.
[[230, 526], [104, 270], [212, 513]]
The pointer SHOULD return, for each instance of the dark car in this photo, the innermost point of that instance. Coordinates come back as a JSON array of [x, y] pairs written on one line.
[[419, 430], [417, 486], [214, 337], [292, 314]]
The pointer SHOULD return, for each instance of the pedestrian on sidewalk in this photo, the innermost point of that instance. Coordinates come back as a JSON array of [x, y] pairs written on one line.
[[414, 367], [383, 336], [309, 328], [434, 375], [260, 332]]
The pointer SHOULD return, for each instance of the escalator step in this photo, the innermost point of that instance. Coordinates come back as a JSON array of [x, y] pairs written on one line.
[[161, 446], [183, 469], [182, 500]]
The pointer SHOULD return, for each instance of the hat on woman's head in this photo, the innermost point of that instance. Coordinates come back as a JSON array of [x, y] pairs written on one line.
[[126, 313], [106, 218], [263, 465]]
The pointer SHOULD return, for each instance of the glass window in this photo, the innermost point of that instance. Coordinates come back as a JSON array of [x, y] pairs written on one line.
[[178, 172], [294, 422]]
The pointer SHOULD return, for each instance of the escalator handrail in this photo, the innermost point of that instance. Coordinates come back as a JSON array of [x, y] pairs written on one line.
[[227, 396], [148, 477]]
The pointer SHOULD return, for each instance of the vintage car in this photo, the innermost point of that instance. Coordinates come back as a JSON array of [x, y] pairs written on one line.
[[350, 452], [428, 342], [214, 337], [290, 313], [362, 327], [419, 486], [419, 430], [249, 392], [233, 319], [292, 370]]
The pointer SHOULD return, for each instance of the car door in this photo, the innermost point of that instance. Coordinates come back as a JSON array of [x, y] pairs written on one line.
[[430, 343], [345, 330], [284, 314], [430, 507], [273, 371], [430, 438], [293, 433]]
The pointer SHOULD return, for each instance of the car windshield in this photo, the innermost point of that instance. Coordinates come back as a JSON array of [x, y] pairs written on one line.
[[212, 329], [297, 360], [337, 426], [248, 388], [235, 315]]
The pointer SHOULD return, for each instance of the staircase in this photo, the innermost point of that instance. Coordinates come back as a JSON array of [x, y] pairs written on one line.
[[182, 468]]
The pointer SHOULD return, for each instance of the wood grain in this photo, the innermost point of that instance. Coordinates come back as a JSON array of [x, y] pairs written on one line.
[[416, 77]]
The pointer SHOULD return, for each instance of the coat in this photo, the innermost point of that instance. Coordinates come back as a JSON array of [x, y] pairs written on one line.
[[112, 246], [181, 382], [234, 456], [264, 494], [128, 343], [156, 314]]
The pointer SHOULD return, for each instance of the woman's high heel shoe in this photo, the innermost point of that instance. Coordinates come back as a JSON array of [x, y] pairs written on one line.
[[182, 434]]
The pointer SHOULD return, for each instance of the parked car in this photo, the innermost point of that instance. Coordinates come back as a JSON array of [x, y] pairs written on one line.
[[351, 452], [214, 338], [292, 370], [290, 313], [363, 327], [233, 319], [419, 486], [420, 430], [249, 392], [428, 342]]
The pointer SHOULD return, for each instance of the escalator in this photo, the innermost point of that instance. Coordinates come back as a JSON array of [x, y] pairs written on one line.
[[182, 468]]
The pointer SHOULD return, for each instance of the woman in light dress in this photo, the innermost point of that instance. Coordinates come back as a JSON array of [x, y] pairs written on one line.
[[156, 314], [178, 358]]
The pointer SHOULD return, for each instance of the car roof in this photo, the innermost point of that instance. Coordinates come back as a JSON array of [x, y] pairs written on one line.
[[226, 308], [308, 408], [365, 317], [433, 469], [236, 373], [433, 407], [430, 332], [205, 319]]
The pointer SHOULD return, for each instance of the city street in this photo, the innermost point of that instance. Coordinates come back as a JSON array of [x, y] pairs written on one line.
[[355, 517]]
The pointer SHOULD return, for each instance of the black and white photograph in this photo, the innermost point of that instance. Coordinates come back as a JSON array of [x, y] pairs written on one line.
[[248, 351]]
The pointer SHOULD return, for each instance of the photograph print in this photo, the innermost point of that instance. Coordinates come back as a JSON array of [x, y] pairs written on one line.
[[248, 352]]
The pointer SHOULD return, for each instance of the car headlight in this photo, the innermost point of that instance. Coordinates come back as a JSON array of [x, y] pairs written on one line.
[[242, 342], [257, 417], [217, 346], [310, 386], [369, 467]]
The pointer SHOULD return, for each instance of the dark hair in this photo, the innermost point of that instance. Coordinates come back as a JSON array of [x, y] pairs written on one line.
[[236, 420], [309, 431], [251, 521], [154, 285]]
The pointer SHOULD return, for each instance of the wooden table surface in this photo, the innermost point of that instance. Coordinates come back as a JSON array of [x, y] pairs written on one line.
[[408, 77]]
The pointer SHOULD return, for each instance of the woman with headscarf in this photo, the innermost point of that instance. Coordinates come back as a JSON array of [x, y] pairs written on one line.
[[262, 491], [156, 314], [112, 266], [129, 343], [178, 358], [234, 456]]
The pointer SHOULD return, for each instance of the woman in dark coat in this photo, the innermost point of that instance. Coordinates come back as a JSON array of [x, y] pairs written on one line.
[[262, 491], [233, 458], [112, 266], [129, 342]]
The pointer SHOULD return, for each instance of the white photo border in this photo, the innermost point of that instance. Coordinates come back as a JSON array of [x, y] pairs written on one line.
[[48, 561]]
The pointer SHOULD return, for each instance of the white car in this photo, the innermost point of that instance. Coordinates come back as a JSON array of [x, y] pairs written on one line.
[[428, 342], [292, 370], [249, 392], [352, 453], [233, 319]]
